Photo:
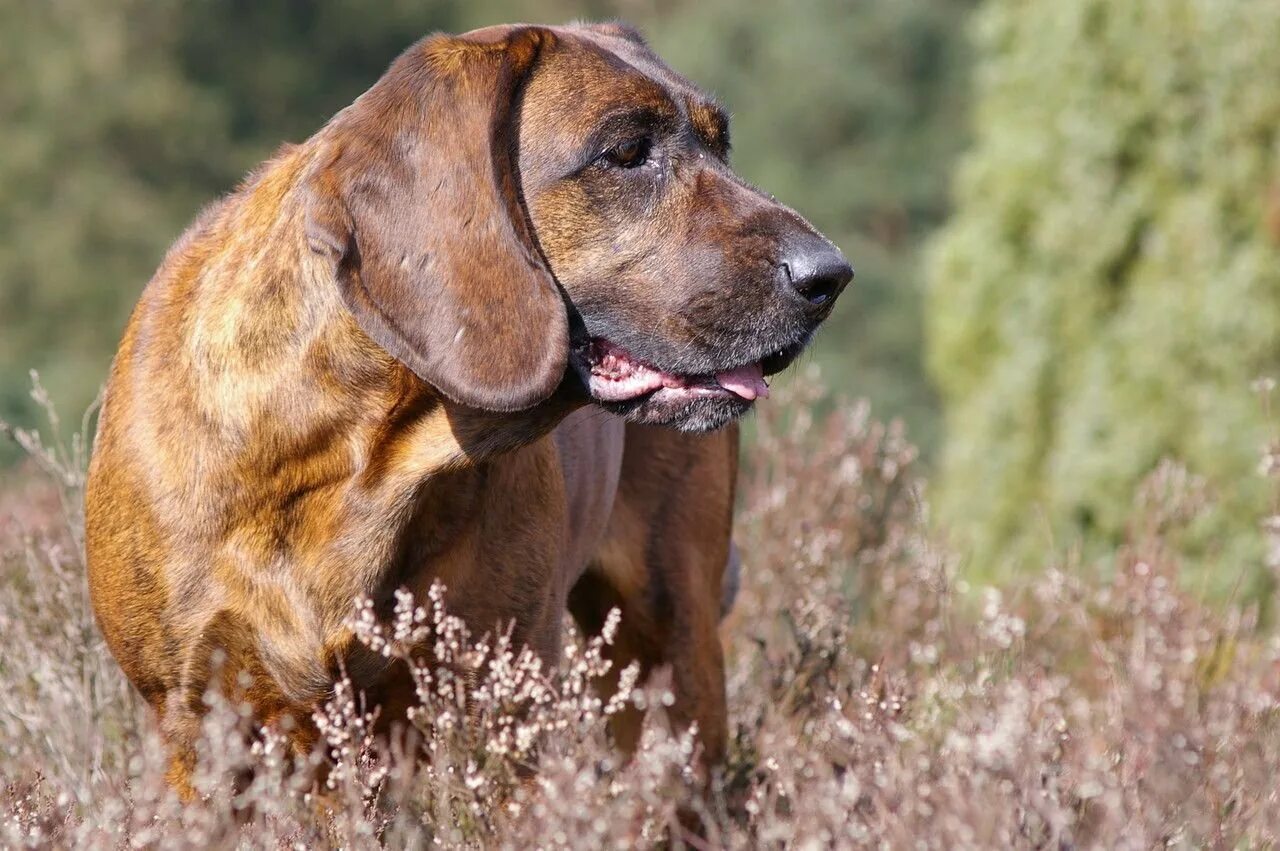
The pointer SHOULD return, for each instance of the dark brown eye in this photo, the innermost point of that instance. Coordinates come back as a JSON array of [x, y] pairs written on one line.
[[630, 154]]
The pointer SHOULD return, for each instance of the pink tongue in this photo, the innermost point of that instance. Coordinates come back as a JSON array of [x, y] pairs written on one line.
[[746, 381]]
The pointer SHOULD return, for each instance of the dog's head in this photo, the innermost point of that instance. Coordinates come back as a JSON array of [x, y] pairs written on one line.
[[521, 207]]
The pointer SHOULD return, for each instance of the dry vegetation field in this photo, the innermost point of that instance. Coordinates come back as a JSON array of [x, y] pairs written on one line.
[[876, 701]]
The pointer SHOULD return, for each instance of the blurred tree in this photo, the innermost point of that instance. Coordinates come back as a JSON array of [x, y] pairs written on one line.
[[130, 115], [1110, 286], [107, 148], [282, 68]]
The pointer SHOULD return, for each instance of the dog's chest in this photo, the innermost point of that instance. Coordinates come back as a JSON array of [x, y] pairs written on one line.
[[590, 444]]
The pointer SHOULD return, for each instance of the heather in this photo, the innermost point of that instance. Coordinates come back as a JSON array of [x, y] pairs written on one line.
[[876, 699]]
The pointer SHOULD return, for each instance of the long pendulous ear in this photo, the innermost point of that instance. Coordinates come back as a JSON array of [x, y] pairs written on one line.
[[416, 199]]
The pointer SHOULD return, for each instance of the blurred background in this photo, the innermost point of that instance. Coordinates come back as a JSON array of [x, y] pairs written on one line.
[[1065, 214]]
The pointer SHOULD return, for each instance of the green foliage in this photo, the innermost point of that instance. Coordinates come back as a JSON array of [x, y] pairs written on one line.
[[123, 118], [1110, 284], [98, 127]]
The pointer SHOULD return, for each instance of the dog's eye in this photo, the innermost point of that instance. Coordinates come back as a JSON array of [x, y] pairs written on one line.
[[630, 154]]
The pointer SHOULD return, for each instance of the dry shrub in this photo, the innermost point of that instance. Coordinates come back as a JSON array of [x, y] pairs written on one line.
[[876, 702]]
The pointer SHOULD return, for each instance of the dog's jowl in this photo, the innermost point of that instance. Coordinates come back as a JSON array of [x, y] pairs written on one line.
[[381, 362]]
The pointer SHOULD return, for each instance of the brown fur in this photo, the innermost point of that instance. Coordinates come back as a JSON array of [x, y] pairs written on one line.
[[352, 375]]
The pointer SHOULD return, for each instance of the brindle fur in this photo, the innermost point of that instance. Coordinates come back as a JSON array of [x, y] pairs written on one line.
[[352, 375]]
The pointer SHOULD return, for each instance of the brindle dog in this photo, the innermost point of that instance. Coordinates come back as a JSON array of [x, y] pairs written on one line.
[[381, 361]]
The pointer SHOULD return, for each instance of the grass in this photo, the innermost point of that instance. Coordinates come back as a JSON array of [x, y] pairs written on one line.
[[875, 700]]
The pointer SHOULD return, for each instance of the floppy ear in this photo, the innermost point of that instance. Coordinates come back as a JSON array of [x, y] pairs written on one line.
[[417, 201]]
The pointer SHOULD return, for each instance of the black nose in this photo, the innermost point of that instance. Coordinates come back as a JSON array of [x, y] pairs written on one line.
[[815, 269]]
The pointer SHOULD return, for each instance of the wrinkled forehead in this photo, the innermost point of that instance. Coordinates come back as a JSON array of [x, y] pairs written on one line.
[[595, 71]]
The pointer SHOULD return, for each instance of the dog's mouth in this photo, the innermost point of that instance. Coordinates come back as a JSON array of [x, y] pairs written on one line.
[[614, 375]]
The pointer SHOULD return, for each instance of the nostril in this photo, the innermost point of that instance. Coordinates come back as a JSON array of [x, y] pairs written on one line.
[[820, 290], [818, 276]]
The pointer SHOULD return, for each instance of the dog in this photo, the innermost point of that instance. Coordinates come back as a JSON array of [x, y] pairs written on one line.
[[491, 326]]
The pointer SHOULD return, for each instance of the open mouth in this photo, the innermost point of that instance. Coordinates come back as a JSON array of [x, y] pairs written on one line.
[[615, 375]]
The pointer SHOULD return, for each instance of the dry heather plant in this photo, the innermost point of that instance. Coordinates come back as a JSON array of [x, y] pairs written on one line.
[[876, 701]]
